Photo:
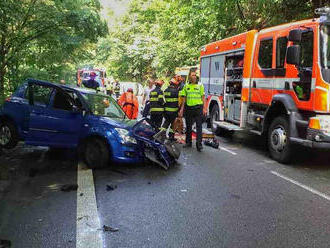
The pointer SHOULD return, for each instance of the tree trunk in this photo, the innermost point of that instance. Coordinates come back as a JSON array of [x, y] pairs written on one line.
[[2, 83]]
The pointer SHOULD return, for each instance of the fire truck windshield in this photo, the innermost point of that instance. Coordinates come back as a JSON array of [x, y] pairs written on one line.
[[325, 46]]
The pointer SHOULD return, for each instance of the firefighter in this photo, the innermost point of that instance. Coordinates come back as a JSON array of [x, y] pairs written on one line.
[[117, 89], [171, 107], [129, 103], [157, 105], [194, 108], [108, 88]]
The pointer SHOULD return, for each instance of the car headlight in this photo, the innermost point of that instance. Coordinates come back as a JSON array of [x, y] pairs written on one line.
[[125, 137]]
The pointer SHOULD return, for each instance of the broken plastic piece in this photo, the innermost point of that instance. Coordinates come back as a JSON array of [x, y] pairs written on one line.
[[110, 229], [111, 187], [69, 187]]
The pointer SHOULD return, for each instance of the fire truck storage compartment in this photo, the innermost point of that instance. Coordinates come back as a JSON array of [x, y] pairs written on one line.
[[233, 87]]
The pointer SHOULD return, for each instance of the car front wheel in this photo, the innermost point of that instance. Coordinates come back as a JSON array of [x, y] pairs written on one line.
[[8, 135], [96, 153]]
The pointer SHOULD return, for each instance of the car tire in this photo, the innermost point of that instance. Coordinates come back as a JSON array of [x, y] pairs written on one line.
[[215, 116], [96, 153], [8, 135], [278, 140]]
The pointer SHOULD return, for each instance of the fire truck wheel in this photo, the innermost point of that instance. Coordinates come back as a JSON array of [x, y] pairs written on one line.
[[215, 116], [278, 140], [96, 153]]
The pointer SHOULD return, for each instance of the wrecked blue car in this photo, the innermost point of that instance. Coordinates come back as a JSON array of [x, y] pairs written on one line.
[[46, 114]]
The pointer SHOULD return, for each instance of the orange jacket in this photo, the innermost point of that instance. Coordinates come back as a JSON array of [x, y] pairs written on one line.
[[129, 104]]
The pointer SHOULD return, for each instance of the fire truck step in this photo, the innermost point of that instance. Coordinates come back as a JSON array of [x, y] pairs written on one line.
[[227, 125]]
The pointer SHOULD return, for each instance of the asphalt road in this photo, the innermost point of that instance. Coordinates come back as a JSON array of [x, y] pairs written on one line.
[[235, 196]]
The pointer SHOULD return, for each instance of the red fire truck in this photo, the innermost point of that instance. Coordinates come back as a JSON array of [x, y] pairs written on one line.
[[85, 73], [273, 82]]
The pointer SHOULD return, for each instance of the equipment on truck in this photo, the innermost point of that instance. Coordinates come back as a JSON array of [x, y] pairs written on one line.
[[273, 82]]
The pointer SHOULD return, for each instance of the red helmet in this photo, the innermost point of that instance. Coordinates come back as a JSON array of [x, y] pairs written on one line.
[[130, 90], [159, 82], [174, 81], [92, 73]]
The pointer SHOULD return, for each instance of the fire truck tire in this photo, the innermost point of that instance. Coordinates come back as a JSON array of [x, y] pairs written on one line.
[[96, 154], [278, 140], [215, 116]]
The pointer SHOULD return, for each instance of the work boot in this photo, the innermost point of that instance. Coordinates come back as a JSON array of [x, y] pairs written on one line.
[[199, 148]]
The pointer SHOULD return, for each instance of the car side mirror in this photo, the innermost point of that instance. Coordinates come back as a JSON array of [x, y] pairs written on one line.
[[295, 35], [293, 55]]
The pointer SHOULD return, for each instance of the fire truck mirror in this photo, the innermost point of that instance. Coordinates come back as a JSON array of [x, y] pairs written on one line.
[[293, 55], [295, 35]]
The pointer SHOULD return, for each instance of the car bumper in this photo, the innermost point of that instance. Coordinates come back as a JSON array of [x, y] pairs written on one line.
[[315, 139], [127, 154]]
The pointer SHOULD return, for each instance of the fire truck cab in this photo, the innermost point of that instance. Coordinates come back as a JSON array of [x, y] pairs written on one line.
[[273, 82]]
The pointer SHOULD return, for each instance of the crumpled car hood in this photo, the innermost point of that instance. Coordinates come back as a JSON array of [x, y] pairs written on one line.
[[116, 122]]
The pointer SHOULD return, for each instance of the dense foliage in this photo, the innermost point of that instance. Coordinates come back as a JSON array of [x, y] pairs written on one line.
[[155, 36], [45, 38], [50, 39]]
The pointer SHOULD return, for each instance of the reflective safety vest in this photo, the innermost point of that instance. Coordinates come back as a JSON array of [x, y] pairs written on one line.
[[156, 100], [194, 94], [171, 99]]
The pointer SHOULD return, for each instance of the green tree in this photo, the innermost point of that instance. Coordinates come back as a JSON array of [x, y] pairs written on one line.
[[44, 34]]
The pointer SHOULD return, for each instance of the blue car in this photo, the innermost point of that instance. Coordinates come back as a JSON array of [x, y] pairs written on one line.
[[46, 114]]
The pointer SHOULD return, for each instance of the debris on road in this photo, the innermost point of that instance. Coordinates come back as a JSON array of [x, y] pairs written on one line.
[[212, 142], [5, 243], [81, 194], [111, 187], [235, 196], [184, 190], [69, 187], [149, 182], [110, 229]]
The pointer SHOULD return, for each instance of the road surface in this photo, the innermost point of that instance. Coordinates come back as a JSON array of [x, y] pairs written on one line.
[[235, 196]]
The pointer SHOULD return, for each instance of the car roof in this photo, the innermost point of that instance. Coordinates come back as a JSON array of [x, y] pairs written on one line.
[[64, 87]]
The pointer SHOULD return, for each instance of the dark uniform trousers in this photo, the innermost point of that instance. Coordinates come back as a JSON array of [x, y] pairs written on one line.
[[156, 119], [194, 114], [169, 121]]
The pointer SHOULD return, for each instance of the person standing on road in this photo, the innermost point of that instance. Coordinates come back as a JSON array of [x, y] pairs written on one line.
[[117, 88], [146, 98], [171, 107], [157, 104], [108, 87], [194, 107], [129, 103]]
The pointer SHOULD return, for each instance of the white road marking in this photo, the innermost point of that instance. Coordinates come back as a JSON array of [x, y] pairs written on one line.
[[88, 222], [314, 191], [226, 150]]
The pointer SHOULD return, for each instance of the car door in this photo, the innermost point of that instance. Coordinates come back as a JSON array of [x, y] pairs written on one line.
[[52, 119], [39, 99], [64, 118]]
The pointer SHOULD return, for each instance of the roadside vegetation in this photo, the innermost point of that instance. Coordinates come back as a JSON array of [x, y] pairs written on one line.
[[51, 39]]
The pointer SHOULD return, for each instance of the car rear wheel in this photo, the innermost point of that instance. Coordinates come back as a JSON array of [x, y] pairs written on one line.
[[96, 153], [8, 135], [278, 140]]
